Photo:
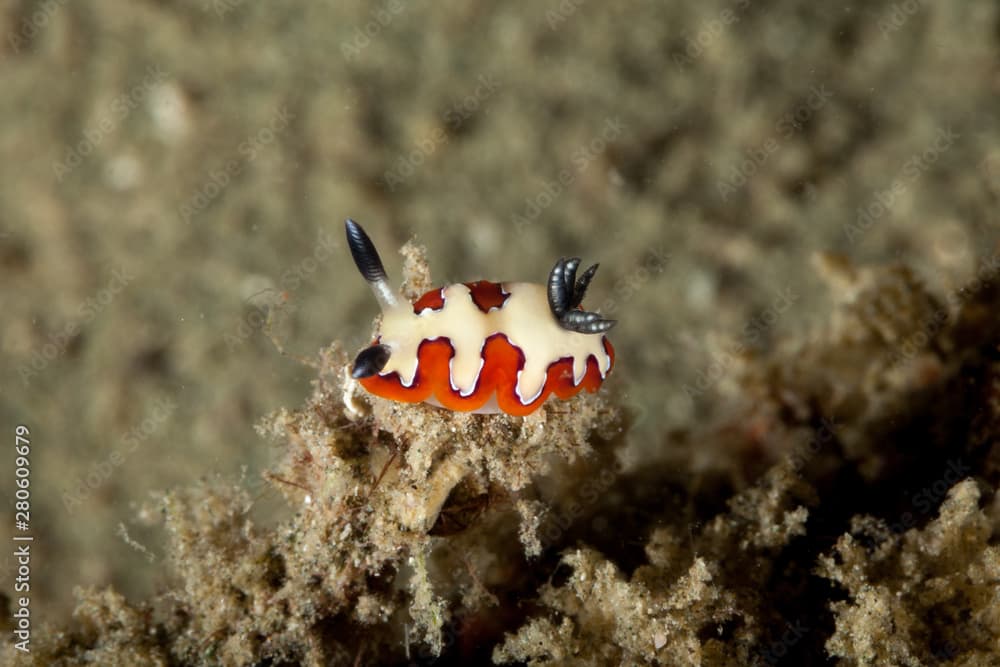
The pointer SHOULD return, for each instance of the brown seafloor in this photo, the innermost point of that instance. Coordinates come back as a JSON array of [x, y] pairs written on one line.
[[860, 462]]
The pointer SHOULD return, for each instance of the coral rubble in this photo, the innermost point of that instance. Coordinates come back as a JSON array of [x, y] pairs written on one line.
[[859, 462]]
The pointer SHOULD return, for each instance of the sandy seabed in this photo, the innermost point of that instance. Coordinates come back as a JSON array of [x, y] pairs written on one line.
[[795, 210]]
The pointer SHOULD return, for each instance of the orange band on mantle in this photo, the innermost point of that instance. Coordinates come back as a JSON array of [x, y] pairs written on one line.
[[498, 376]]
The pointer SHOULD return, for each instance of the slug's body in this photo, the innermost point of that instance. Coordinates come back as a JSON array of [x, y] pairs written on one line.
[[483, 346]]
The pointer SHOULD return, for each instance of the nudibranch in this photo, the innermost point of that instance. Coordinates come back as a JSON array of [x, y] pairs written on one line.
[[482, 346]]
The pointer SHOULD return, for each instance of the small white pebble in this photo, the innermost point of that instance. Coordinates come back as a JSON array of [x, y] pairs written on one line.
[[123, 172], [168, 107], [701, 290]]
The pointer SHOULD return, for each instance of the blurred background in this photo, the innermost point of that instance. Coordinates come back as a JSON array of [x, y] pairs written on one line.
[[174, 176]]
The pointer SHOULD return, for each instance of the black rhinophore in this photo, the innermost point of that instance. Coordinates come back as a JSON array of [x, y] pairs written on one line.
[[364, 253], [370, 361], [566, 293]]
